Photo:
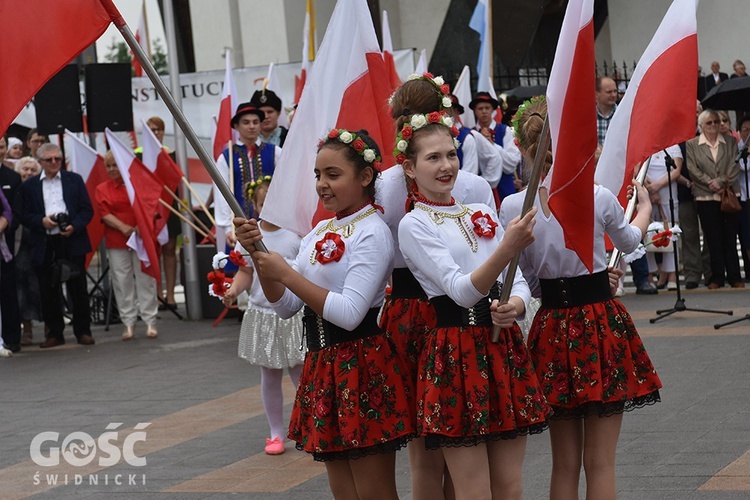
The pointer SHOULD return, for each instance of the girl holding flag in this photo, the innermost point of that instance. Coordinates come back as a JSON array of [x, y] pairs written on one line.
[[476, 400], [587, 353], [353, 408]]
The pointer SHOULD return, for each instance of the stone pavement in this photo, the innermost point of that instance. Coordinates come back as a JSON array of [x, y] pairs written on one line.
[[206, 428]]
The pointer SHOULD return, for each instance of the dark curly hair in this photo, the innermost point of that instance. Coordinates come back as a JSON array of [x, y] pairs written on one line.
[[354, 157]]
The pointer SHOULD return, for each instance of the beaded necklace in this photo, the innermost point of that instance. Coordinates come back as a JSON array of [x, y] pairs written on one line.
[[249, 175], [438, 217], [342, 215]]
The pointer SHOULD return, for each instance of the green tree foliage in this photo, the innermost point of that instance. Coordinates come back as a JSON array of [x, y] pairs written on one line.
[[118, 52]]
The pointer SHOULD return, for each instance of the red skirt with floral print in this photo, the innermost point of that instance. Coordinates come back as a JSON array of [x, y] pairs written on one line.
[[472, 390], [354, 399], [408, 322], [590, 360]]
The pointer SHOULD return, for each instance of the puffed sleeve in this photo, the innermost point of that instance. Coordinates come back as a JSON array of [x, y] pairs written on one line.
[[624, 236]]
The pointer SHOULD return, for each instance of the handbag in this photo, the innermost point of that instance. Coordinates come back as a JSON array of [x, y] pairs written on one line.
[[730, 204]]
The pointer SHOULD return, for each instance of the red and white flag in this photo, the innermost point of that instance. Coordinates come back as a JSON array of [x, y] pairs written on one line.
[[141, 36], [90, 165], [348, 88], [158, 161], [229, 102], [572, 122], [145, 203], [65, 29], [658, 109], [421, 67], [390, 62], [308, 52], [462, 91]]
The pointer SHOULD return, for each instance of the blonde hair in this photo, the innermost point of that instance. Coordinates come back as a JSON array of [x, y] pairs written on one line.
[[528, 129]]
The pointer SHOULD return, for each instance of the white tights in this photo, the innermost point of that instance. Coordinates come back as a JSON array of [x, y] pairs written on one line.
[[273, 398]]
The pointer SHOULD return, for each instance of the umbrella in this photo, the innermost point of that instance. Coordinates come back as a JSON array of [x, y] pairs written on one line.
[[729, 94], [524, 93]]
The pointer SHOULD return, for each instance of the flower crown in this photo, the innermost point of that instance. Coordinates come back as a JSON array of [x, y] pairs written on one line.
[[253, 185], [443, 89], [356, 143], [415, 123], [522, 109]]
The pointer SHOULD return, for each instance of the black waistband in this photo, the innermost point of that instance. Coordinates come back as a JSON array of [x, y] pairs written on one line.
[[578, 291], [405, 285], [320, 333], [451, 314]]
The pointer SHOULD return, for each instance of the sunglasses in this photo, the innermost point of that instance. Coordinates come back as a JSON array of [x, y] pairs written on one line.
[[724, 120]]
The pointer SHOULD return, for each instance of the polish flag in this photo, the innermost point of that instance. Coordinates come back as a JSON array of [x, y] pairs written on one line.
[[390, 62], [663, 80], [89, 164], [157, 160], [462, 91], [272, 84], [141, 36], [572, 123], [480, 22], [348, 88], [308, 52], [72, 24], [145, 203], [224, 131]]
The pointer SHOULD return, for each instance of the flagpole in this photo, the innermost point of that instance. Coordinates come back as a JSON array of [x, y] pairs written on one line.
[[184, 219], [180, 118], [489, 45], [528, 203], [614, 260], [184, 206]]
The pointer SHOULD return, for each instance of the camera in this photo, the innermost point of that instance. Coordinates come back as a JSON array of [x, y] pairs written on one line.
[[62, 220]]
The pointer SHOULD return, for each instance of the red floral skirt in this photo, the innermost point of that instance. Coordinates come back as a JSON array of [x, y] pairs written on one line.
[[408, 322], [353, 400], [591, 361], [472, 390]]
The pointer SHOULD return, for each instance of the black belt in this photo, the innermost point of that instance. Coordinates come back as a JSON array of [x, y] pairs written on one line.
[[451, 314], [320, 333], [578, 291], [405, 285]]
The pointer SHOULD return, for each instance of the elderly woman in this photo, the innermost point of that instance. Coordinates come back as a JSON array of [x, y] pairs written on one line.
[[130, 283], [711, 161], [29, 298]]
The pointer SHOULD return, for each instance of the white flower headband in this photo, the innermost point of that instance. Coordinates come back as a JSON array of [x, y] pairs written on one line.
[[357, 144], [443, 88], [415, 123]]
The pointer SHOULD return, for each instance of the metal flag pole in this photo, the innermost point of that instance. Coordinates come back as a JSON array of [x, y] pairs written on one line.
[[181, 120], [528, 202]]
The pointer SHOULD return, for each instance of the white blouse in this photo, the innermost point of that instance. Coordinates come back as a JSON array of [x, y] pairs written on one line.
[[284, 242], [357, 282], [442, 250], [548, 258], [390, 193]]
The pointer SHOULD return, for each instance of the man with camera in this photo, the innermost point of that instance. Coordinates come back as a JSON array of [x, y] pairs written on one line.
[[56, 207]]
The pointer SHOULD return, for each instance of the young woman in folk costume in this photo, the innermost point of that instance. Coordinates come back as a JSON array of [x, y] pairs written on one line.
[[477, 400], [353, 407], [587, 353], [407, 315], [265, 339]]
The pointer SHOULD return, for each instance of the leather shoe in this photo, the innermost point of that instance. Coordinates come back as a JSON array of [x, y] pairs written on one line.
[[738, 284], [646, 289], [691, 285], [713, 286], [86, 340], [52, 342]]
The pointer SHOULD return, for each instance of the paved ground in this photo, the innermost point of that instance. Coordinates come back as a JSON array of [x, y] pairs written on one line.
[[206, 427]]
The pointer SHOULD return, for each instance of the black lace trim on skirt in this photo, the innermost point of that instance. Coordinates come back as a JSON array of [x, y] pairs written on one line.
[[435, 441], [355, 453], [599, 409]]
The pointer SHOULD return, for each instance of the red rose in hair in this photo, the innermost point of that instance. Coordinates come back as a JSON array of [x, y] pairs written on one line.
[[407, 132], [483, 225], [454, 131], [359, 145], [237, 259], [400, 158], [433, 117], [333, 134], [330, 248], [445, 89], [428, 75], [320, 143], [377, 165]]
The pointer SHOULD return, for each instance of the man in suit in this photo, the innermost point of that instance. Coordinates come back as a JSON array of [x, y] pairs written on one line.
[[56, 240], [716, 77], [10, 181]]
